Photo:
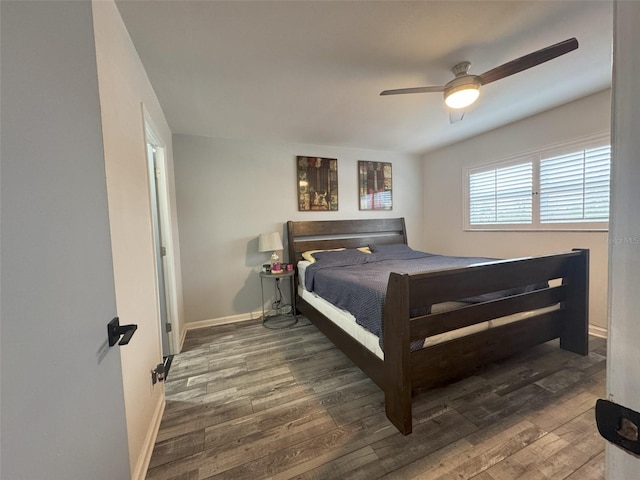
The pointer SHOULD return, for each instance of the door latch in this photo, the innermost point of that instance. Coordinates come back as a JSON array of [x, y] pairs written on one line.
[[115, 331], [619, 425]]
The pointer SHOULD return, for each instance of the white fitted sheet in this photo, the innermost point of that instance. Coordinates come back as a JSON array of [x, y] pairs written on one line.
[[347, 322]]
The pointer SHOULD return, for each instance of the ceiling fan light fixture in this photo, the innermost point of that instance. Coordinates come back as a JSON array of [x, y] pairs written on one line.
[[462, 95]]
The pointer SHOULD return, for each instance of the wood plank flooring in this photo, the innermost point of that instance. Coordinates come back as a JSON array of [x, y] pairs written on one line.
[[246, 402]]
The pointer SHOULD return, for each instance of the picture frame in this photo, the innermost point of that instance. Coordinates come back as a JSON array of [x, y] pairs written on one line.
[[375, 187], [317, 179]]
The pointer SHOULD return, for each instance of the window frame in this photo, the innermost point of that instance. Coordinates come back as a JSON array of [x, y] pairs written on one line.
[[535, 157]]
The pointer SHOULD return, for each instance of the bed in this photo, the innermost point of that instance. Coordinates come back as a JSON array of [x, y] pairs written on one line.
[[556, 308]]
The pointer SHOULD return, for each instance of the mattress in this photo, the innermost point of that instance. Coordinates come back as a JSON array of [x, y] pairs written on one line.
[[347, 322]]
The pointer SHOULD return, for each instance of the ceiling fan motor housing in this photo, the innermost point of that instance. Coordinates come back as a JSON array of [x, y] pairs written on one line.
[[461, 68]]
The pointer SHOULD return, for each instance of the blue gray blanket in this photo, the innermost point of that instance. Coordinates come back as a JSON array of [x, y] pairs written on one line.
[[357, 282]]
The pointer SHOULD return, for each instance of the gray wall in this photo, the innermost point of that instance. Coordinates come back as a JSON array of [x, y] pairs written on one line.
[[228, 192], [444, 193], [62, 409]]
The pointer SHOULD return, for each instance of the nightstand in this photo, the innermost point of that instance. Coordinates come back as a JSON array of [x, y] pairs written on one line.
[[278, 310]]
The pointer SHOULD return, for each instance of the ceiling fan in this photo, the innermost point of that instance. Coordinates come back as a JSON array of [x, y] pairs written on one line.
[[464, 89]]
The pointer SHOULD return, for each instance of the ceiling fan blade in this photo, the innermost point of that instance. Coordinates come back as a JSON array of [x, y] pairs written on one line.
[[456, 115], [528, 61], [399, 91]]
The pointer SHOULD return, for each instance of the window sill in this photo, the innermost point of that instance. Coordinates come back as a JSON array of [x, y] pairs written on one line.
[[537, 229]]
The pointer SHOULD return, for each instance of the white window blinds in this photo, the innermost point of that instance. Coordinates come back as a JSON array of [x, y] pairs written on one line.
[[565, 187], [575, 187], [501, 195]]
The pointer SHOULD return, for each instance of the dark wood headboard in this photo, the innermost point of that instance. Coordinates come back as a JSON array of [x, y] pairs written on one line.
[[322, 235]]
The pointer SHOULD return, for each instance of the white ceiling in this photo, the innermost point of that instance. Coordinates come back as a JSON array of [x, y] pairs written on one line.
[[311, 71]]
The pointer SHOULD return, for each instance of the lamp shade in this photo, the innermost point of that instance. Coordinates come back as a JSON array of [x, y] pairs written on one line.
[[269, 242]]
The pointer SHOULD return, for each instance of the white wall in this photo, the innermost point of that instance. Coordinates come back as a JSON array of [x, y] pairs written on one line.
[[124, 87], [228, 192], [444, 187], [623, 355]]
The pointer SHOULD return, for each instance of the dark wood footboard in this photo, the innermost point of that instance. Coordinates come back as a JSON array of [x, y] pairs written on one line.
[[408, 372]]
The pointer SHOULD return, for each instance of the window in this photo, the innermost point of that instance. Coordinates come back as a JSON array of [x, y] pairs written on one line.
[[575, 187], [553, 189], [501, 195]]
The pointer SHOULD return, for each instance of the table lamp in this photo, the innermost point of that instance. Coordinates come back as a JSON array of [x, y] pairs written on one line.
[[271, 242]]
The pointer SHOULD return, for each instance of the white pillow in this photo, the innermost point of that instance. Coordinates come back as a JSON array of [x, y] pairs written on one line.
[[308, 255]]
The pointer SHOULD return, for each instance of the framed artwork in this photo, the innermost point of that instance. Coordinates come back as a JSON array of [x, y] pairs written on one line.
[[317, 184], [375, 187]]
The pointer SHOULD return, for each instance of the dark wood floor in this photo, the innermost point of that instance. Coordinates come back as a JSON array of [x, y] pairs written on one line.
[[247, 402]]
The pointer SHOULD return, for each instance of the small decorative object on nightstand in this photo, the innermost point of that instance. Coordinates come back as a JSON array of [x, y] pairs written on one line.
[[279, 310]]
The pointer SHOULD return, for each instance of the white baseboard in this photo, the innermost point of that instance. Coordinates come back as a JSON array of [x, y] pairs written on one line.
[[142, 466], [597, 331], [243, 317], [183, 335]]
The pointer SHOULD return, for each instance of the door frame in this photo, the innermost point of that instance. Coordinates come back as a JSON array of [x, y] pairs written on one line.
[[623, 377], [152, 137]]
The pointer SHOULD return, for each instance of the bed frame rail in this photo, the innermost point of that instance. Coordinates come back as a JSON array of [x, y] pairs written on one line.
[[461, 357], [437, 323], [455, 283]]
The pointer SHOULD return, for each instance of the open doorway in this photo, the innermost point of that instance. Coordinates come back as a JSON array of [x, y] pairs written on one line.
[[162, 240]]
